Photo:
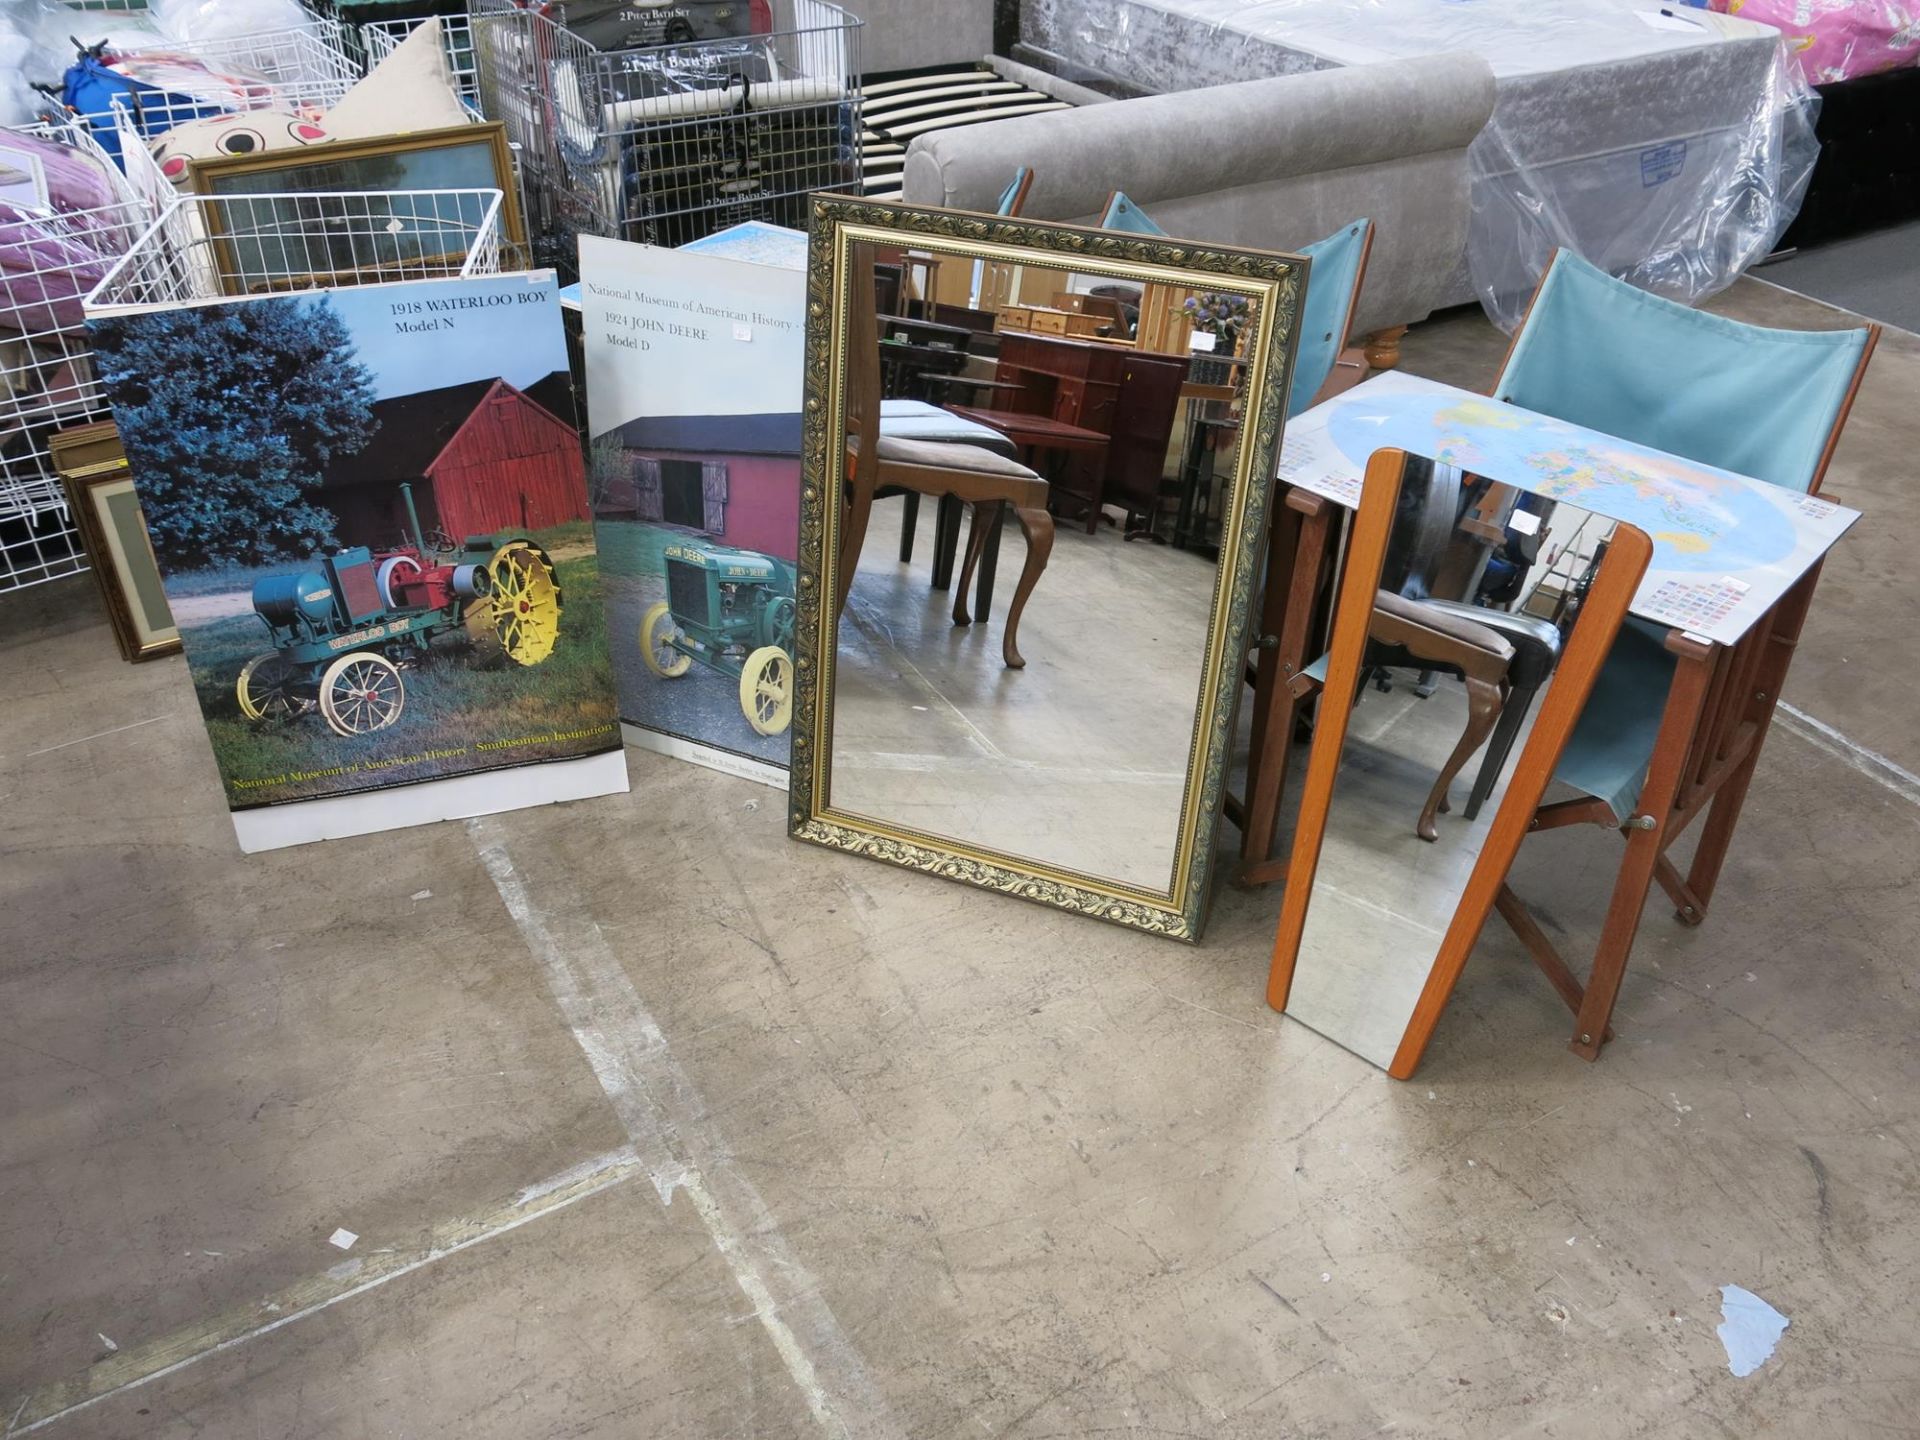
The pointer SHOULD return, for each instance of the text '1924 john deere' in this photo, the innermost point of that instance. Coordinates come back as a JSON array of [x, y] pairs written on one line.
[[343, 630], [732, 610]]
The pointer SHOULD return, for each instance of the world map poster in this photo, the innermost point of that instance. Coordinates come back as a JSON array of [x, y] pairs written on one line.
[[1725, 547]]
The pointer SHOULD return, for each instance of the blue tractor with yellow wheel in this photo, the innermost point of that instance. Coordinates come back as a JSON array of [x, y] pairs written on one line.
[[345, 627], [732, 610]]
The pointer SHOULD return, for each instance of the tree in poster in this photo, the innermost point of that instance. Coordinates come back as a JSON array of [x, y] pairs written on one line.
[[230, 415]]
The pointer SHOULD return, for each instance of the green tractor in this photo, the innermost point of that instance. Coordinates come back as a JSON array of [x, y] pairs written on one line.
[[344, 626], [732, 610]]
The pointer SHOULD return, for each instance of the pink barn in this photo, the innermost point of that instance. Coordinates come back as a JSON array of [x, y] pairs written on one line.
[[734, 477]]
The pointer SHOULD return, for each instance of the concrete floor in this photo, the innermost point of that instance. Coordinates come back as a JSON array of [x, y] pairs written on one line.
[[652, 1123], [1877, 273]]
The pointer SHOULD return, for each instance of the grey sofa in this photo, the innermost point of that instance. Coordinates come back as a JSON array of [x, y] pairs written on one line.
[[1271, 163]]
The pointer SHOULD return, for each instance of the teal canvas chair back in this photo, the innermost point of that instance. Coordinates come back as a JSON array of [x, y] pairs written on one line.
[[1015, 195], [1333, 288], [1765, 403], [1333, 285], [1598, 352], [1123, 214]]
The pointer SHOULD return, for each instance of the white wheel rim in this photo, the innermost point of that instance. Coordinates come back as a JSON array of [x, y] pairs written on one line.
[[365, 695]]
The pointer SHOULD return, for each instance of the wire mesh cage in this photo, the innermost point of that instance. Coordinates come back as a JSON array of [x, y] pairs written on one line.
[[210, 247], [302, 71], [668, 143], [380, 38], [48, 262]]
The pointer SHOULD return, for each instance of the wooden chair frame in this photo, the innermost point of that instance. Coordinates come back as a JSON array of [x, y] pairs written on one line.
[[869, 474], [1605, 608], [1019, 201], [1717, 715]]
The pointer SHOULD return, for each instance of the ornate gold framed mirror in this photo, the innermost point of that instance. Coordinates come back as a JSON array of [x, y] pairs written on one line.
[[1064, 740]]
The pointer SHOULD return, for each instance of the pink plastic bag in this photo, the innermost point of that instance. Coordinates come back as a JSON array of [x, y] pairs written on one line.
[[1839, 39]]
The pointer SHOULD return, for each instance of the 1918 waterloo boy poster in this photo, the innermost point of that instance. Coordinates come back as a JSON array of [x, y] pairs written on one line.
[[370, 512]]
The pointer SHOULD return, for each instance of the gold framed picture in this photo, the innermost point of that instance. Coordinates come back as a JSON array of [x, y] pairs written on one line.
[[286, 241], [106, 511]]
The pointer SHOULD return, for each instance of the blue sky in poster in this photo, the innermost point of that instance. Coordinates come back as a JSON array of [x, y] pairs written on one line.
[[497, 329]]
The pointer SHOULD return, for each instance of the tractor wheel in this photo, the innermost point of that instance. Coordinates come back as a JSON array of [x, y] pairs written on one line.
[[361, 693], [526, 602], [656, 629], [265, 689], [766, 690], [780, 622]]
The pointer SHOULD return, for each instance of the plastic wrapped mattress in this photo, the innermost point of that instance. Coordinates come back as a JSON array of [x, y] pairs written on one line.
[[1666, 144]]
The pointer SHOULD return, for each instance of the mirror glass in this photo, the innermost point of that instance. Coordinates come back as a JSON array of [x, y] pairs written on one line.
[[1473, 606], [1030, 605]]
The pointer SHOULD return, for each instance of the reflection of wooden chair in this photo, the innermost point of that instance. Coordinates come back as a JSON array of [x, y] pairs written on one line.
[[1446, 638], [880, 465], [1430, 504]]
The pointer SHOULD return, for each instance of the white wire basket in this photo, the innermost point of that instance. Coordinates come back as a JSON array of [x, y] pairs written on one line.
[[303, 71], [48, 264], [380, 38], [213, 247]]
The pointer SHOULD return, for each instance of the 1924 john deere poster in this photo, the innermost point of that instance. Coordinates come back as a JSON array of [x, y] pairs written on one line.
[[693, 366], [370, 512]]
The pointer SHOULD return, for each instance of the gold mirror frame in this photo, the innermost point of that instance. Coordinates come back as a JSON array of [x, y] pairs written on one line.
[[1277, 282]]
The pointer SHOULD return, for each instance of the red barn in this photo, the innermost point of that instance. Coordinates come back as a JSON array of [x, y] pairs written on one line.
[[481, 457], [735, 477]]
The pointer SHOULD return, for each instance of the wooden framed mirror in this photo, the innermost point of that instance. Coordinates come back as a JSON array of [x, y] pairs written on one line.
[[1435, 736], [1067, 745]]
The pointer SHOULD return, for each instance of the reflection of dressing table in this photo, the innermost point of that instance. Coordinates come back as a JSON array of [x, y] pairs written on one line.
[[1125, 394], [1729, 620]]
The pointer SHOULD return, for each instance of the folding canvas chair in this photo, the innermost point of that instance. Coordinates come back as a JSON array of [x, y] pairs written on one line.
[[1122, 214], [1298, 545], [1013, 199], [1339, 262], [1674, 726]]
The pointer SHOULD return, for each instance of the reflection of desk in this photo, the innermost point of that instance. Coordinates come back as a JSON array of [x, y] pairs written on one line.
[[1034, 432], [973, 384], [1125, 394], [924, 332], [1735, 563], [1040, 432]]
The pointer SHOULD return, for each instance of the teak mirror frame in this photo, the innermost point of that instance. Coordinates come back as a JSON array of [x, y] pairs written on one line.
[[1606, 603]]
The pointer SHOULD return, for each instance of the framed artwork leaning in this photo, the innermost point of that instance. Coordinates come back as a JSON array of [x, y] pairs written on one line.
[[106, 511], [396, 230]]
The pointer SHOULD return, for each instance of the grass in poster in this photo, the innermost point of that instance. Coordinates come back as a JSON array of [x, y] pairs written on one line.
[[467, 707]]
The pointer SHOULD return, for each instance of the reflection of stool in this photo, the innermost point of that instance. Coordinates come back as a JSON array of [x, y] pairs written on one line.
[[1446, 638]]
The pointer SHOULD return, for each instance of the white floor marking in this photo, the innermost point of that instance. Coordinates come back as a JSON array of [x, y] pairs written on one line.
[[1870, 763], [680, 1149], [136, 1365], [99, 735]]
